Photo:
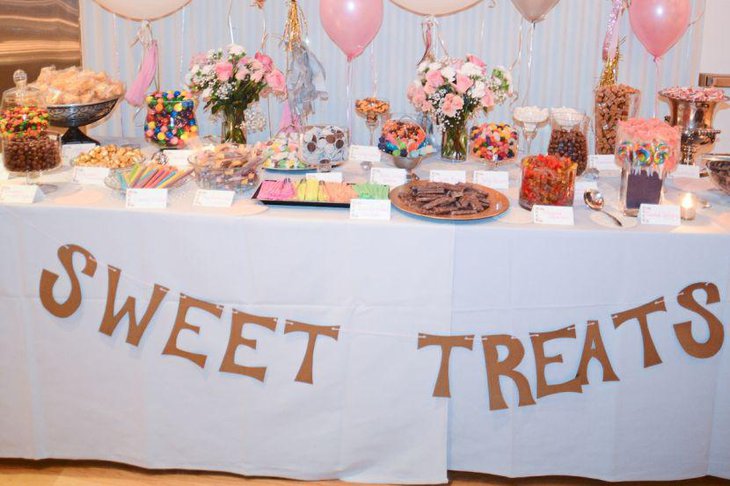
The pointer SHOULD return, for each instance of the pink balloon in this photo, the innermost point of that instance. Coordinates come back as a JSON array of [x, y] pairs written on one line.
[[351, 24], [659, 24]]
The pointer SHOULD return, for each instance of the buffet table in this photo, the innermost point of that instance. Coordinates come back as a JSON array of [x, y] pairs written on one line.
[[295, 342]]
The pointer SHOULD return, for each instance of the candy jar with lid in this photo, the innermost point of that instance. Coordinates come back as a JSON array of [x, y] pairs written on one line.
[[569, 136], [22, 95], [646, 150], [547, 180], [170, 121]]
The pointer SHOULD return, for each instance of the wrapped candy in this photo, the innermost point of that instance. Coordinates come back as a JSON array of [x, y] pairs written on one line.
[[170, 121], [403, 138]]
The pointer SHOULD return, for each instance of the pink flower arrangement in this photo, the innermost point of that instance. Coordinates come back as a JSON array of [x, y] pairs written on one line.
[[229, 80], [452, 90]]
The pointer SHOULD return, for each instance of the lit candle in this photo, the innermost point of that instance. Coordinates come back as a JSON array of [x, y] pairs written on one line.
[[688, 210]]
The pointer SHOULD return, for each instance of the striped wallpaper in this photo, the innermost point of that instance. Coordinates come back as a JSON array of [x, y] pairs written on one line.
[[566, 59]]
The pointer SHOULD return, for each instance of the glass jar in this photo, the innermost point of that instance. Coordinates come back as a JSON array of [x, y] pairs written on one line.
[[569, 136], [226, 167], [493, 143], [31, 154], [646, 150], [324, 143], [547, 180], [22, 95], [613, 103], [170, 121]]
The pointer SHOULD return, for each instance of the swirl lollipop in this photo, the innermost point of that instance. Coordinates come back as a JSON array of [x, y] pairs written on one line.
[[642, 155], [624, 152], [661, 153]]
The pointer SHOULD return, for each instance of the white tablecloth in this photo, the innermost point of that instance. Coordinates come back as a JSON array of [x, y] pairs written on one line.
[[69, 391]]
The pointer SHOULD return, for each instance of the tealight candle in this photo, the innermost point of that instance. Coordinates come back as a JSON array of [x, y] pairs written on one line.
[[687, 208]]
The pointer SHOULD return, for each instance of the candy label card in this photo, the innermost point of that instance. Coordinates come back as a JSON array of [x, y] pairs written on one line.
[[686, 171], [497, 179], [90, 175], [213, 199], [389, 177], [560, 215], [660, 214], [178, 158], [364, 153], [26, 194], [448, 176], [326, 176], [146, 199], [372, 209]]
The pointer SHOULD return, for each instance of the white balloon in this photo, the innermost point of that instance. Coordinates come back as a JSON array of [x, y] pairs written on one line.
[[435, 7], [143, 9]]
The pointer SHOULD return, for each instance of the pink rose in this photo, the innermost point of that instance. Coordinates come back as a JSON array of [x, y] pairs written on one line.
[[276, 80], [488, 99], [224, 71], [434, 78], [463, 83], [451, 105], [265, 61], [416, 95], [428, 89], [242, 71], [475, 60]]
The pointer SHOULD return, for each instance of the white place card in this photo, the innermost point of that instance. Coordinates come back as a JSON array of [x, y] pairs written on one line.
[[4, 174], [448, 176], [178, 158], [25, 194], [364, 153], [213, 199], [686, 171], [374, 209], [603, 162], [497, 179], [146, 198], [389, 177], [562, 215], [73, 150], [660, 214], [90, 175], [581, 187], [325, 176]]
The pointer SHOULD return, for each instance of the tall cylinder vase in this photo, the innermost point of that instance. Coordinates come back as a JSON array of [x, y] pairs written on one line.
[[454, 140], [234, 129]]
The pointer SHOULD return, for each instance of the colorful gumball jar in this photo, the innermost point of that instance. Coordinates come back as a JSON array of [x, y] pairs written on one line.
[[646, 151], [494, 143], [170, 121]]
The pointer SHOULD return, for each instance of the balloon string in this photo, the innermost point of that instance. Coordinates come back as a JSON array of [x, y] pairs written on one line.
[[116, 63], [182, 46], [349, 97], [373, 70], [529, 66], [658, 86], [230, 20], [702, 14]]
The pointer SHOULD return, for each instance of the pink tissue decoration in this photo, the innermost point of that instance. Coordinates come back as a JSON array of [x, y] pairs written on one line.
[[136, 93]]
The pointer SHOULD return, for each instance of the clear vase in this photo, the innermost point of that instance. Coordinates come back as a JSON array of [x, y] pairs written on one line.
[[234, 129], [454, 142]]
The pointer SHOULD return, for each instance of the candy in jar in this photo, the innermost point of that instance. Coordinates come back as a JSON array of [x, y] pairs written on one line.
[[494, 142], [170, 121], [646, 150], [27, 147], [547, 180], [614, 103], [324, 142], [569, 136]]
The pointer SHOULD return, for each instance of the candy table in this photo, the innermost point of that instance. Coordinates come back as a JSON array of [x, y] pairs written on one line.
[[294, 342]]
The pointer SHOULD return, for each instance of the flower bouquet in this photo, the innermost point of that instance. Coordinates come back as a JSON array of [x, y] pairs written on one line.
[[229, 82], [452, 91]]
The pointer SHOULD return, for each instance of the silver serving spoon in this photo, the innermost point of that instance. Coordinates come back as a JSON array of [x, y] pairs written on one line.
[[594, 200]]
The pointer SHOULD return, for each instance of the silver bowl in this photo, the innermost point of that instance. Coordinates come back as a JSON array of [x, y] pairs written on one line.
[[79, 115], [407, 163], [718, 166]]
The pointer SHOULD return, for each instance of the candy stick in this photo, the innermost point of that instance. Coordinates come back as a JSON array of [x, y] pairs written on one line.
[[169, 176], [140, 176], [161, 174], [122, 181], [150, 172], [129, 176], [177, 177]]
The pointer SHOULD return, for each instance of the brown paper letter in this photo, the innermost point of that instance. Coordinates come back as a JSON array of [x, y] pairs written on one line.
[[641, 314], [110, 320], [447, 343], [305, 371], [187, 302], [236, 339], [683, 330], [541, 361], [49, 279], [593, 348], [496, 368]]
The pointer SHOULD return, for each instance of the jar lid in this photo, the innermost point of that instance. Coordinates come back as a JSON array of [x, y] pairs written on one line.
[[567, 117], [22, 95]]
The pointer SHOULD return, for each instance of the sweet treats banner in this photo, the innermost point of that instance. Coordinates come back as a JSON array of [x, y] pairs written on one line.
[[503, 353]]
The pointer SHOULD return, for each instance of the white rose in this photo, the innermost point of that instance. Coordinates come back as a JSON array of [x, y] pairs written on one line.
[[434, 66], [422, 67], [470, 69], [206, 93], [449, 73], [207, 70], [235, 50], [478, 90]]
